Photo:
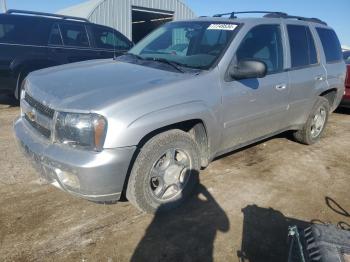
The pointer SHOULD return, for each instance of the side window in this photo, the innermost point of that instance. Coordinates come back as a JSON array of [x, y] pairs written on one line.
[[13, 31], [263, 43], [6, 30], [214, 41], [55, 36], [107, 39], [302, 46], [74, 35], [331, 45]]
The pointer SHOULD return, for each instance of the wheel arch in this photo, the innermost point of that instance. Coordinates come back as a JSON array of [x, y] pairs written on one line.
[[331, 95], [195, 127]]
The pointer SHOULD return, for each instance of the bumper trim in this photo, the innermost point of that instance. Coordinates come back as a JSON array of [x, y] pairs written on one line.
[[101, 175]]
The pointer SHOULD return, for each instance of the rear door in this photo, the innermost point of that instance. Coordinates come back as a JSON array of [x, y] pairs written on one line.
[[333, 60], [57, 52], [108, 42], [253, 108], [76, 43], [305, 70]]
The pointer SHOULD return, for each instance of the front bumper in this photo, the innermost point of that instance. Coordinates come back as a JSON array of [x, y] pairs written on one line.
[[96, 176]]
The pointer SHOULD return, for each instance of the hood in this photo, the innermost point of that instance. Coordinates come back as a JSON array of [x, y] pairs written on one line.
[[91, 85]]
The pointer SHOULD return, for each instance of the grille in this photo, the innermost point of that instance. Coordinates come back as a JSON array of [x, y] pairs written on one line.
[[42, 130], [39, 106]]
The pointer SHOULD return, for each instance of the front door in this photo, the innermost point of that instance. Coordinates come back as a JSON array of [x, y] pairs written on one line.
[[254, 108]]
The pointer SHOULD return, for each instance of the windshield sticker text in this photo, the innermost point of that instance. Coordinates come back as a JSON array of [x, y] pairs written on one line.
[[229, 27]]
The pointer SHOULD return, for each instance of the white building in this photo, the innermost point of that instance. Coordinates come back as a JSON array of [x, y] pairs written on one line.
[[345, 48], [3, 6], [133, 18]]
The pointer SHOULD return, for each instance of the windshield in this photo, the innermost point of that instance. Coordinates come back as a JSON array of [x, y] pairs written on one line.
[[189, 44], [347, 57]]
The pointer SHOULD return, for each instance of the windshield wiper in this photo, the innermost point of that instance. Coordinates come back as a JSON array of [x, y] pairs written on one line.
[[134, 56], [165, 61]]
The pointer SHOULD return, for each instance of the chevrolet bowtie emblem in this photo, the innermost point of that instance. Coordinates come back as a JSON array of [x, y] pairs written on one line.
[[31, 115]]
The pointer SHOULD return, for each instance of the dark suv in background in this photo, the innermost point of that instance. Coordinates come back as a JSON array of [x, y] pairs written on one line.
[[31, 40]]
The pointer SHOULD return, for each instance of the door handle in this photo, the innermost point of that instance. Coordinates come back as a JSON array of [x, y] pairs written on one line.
[[281, 87], [320, 78]]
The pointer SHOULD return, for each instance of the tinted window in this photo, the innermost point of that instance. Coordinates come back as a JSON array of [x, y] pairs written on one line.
[[263, 43], [331, 44], [20, 31], [74, 35], [302, 46], [55, 36], [108, 39]]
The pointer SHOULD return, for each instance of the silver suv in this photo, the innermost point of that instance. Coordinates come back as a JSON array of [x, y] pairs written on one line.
[[145, 123]]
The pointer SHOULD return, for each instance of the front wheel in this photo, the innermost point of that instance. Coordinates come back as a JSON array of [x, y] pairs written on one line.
[[165, 172], [20, 84], [316, 123]]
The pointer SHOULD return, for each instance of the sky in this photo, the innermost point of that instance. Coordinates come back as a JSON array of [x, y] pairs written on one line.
[[334, 12]]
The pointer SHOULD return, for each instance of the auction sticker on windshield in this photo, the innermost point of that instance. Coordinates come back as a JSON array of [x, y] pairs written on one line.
[[229, 27]]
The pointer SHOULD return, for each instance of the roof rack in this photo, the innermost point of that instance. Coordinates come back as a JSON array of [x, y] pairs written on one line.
[[271, 14], [233, 14], [14, 11], [286, 16]]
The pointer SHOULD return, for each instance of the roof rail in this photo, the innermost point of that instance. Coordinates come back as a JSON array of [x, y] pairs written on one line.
[[286, 16], [14, 11], [271, 14], [233, 14]]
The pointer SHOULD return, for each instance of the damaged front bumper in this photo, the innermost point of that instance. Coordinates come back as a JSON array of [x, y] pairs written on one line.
[[96, 176]]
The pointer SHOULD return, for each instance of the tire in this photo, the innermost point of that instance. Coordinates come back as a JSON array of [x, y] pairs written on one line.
[[157, 166], [19, 87], [310, 133]]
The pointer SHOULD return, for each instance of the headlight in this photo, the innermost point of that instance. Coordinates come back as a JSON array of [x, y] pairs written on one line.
[[86, 131]]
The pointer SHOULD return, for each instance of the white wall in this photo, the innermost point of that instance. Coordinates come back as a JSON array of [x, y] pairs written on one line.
[[2, 6], [344, 47]]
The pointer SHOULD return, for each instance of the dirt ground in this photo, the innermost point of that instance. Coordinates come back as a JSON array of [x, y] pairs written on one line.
[[242, 209]]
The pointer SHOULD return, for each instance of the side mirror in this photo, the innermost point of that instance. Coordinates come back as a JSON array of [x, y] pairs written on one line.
[[248, 69]]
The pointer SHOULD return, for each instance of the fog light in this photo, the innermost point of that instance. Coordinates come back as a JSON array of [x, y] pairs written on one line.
[[68, 179]]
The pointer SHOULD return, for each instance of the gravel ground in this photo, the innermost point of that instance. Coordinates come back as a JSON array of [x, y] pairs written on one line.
[[240, 212]]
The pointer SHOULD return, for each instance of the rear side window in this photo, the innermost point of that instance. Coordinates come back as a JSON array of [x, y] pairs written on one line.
[[331, 45], [74, 35], [20, 31], [302, 46], [109, 39], [263, 43]]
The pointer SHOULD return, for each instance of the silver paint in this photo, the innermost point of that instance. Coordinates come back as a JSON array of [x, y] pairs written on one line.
[[137, 100]]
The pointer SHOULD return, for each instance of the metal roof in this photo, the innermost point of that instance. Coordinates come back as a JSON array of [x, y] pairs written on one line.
[[82, 10], [118, 13], [2, 6], [87, 8]]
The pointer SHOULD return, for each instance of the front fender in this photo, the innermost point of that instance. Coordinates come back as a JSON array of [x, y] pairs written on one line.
[[133, 133]]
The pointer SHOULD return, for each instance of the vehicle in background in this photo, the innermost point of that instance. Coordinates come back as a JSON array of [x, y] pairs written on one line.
[[31, 40], [346, 99], [189, 92]]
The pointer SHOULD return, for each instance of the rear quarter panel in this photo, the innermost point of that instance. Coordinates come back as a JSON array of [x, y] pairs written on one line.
[[336, 71]]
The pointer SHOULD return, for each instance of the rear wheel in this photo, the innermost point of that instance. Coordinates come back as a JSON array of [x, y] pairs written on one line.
[[316, 123], [165, 172]]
